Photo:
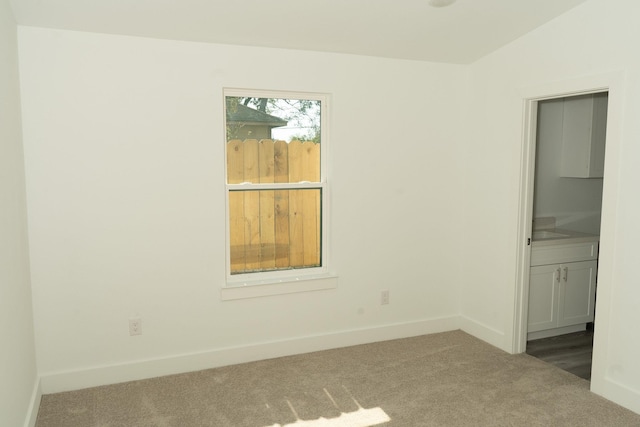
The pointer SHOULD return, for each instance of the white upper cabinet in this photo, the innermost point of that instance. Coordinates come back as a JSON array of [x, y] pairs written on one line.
[[584, 129]]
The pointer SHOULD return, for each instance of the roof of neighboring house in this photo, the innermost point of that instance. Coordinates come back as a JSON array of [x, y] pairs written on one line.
[[243, 114]]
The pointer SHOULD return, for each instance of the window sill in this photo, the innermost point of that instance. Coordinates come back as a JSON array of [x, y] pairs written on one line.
[[278, 287]]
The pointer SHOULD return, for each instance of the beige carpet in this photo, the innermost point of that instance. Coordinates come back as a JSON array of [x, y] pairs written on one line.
[[447, 379]]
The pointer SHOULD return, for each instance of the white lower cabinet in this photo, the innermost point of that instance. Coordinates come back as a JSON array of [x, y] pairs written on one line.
[[561, 294]]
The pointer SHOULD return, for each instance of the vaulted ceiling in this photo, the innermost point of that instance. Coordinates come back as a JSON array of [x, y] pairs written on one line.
[[404, 29]]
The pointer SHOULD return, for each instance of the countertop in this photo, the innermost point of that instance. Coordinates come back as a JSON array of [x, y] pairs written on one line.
[[559, 236]]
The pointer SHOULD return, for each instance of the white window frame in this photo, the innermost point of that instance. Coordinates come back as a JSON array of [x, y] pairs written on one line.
[[247, 285]]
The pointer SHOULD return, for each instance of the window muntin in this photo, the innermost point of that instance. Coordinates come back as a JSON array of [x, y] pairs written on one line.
[[275, 184]]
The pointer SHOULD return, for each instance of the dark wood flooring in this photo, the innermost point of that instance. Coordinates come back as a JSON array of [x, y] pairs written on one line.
[[571, 352]]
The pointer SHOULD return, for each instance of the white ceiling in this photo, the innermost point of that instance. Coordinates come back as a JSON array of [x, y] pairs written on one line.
[[407, 29]]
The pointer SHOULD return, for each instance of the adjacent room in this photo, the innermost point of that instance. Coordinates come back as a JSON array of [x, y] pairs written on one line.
[[188, 186]]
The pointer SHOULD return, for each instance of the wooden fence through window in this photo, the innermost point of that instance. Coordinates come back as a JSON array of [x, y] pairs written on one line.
[[273, 229]]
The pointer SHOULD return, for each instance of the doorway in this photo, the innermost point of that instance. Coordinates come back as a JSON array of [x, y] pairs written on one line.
[[567, 201], [614, 84]]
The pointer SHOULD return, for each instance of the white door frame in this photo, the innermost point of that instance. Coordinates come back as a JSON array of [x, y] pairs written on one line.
[[613, 83]]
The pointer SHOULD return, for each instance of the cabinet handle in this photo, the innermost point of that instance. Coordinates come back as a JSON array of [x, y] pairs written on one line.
[[566, 273], [558, 275]]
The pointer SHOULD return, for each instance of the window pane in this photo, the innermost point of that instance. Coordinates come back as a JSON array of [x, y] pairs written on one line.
[[274, 229], [272, 140]]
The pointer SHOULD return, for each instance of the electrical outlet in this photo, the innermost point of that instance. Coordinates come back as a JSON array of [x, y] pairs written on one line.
[[384, 297], [135, 326]]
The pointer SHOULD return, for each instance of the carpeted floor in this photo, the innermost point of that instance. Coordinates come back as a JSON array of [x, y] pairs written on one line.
[[447, 379]]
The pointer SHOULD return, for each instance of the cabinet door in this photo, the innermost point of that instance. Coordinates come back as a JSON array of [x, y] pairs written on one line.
[[544, 283], [577, 293], [583, 136]]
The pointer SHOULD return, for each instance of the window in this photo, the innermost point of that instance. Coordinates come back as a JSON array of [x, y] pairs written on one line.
[[275, 185]]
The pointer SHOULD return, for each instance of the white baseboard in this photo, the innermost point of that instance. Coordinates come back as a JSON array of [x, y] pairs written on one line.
[[143, 369], [102, 375], [556, 331], [483, 332], [618, 393], [34, 405]]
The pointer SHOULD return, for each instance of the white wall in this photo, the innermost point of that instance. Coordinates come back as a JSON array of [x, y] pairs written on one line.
[[19, 385], [574, 202], [596, 38], [124, 166]]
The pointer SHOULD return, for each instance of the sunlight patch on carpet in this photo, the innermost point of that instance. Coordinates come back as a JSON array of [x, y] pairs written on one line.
[[359, 418]]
